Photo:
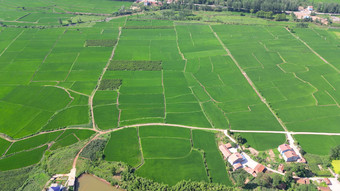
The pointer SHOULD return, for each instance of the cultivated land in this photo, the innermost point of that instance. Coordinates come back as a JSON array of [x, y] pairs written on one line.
[[159, 90]]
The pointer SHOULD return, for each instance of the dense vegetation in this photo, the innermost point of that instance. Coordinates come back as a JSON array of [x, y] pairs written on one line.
[[110, 84], [100, 42], [135, 65]]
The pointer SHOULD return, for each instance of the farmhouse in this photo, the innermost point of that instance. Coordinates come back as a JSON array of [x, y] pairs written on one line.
[[235, 158], [225, 151], [237, 166], [327, 181], [290, 156], [324, 188], [288, 153], [281, 168], [259, 168], [56, 187], [283, 148], [303, 181]]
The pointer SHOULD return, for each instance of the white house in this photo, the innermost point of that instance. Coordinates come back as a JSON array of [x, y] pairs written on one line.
[[288, 153]]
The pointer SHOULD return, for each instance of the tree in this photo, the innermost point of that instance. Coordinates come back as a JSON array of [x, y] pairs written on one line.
[[293, 16], [251, 11], [335, 153], [300, 170], [288, 177], [280, 17], [277, 180], [240, 139], [60, 21], [263, 179], [240, 180], [306, 187]]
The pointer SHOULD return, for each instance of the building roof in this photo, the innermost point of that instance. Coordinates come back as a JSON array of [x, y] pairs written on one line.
[[234, 157], [237, 165], [290, 154], [285, 147], [302, 160], [226, 153], [55, 187], [249, 170], [327, 181], [324, 188], [228, 145], [303, 181], [259, 168]]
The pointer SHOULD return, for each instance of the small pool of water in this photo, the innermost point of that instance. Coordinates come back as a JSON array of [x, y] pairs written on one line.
[[88, 182]]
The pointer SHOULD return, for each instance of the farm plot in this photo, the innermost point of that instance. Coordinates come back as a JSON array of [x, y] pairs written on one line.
[[22, 159], [224, 95], [216, 166], [168, 153], [169, 156], [26, 109], [172, 171], [264, 141], [124, 146], [317, 144], [299, 86], [71, 136], [33, 142], [4, 144]]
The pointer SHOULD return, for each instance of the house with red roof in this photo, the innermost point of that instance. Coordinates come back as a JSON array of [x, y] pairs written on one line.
[[225, 151], [288, 153]]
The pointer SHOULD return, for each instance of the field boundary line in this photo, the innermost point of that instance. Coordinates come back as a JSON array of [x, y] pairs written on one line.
[[75, 60], [27, 150], [312, 50], [6, 150], [328, 82], [141, 150], [164, 94], [179, 49], [12, 42], [202, 109], [337, 104], [100, 79], [49, 52]]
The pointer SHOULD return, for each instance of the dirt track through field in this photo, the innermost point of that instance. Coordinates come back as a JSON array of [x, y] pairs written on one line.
[[100, 79], [249, 80]]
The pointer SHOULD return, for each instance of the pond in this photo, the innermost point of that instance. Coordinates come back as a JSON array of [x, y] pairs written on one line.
[[88, 182]]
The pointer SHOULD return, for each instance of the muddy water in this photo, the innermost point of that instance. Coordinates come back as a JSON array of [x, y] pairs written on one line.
[[87, 182]]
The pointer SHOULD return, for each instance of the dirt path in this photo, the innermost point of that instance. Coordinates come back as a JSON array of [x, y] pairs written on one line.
[[100, 79], [310, 48], [284, 132], [249, 80], [179, 49]]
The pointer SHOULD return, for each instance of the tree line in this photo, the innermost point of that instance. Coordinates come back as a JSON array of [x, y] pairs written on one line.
[[275, 6]]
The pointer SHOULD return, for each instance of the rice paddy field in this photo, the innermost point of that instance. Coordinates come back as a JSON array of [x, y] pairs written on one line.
[[159, 89]]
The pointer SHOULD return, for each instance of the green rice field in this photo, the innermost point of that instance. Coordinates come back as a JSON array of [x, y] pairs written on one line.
[[157, 90]]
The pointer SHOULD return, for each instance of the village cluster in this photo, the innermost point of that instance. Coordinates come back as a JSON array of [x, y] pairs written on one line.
[[240, 160]]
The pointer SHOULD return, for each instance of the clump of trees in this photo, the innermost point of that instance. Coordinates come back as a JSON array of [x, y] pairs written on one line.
[[94, 150], [136, 65], [110, 84], [335, 153]]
